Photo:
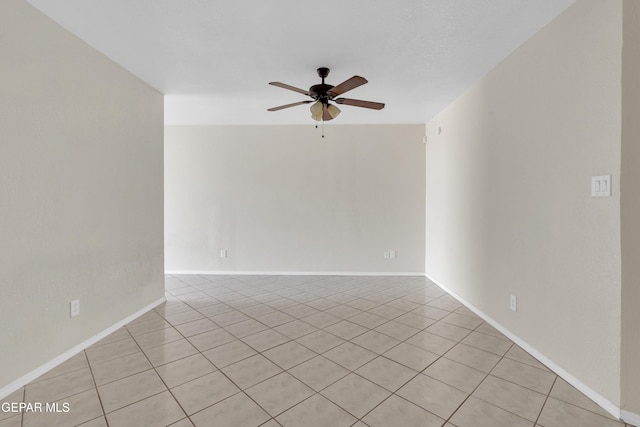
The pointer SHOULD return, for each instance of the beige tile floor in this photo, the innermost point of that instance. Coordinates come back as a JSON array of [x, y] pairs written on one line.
[[306, 351]]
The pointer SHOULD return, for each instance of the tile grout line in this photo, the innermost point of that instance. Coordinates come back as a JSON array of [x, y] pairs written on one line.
[[93, 378], [241, 390], [546, 398]]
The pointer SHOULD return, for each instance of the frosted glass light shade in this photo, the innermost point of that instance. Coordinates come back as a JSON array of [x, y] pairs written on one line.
[[316, 111], [333, 111]]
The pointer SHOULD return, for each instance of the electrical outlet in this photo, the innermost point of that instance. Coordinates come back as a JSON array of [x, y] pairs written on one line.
[[223, 253], [513, 303], [74, 307], [392, 254], [386, 254]]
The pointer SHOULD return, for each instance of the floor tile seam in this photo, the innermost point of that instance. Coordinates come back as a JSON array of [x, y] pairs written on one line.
[[288, 408], [345, 367], [209, 316], [487, 351], [328, 385], [159, 345], [390, 391], [265, 349], [449, 338], [509, 411], [186, 382], [323, 351], [138, 401], [506, 356], [155, 367], [56, 398], [274, 310], [401, 342], [40, 380], [169, 304], [448, 420], [187, 308], [546, 398], [173, 396], [240, 391], [522, 385], [347, 411], [497, 335], [406, 400], [94, 346], [499, 407], [170, 342], [354, 337], [608, 417], [468, 394], [126, 376], [545, 369], [167, 388], [291, 367], [252, 385], [413, 369], [389, 319], [198, 308], [169, 325], [24, 392]]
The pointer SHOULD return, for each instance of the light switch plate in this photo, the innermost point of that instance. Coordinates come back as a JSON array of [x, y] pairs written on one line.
[[601, 186]]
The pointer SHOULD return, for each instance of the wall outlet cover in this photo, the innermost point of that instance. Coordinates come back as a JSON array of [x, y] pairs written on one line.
[[75, 307], [513, 303]]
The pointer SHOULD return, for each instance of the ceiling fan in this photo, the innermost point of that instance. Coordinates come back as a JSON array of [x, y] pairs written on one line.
[[323, 93]]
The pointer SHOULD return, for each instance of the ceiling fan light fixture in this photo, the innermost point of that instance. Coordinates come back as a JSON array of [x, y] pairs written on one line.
[[316, 111], [333, 111]]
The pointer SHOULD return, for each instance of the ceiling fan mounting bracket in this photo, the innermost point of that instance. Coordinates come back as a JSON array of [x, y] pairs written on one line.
[[323, 72]]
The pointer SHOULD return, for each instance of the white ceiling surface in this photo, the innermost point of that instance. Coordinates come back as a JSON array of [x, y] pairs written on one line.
[[213, 59]]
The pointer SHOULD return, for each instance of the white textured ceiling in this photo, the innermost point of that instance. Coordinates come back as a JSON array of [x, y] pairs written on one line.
[[213, 58]]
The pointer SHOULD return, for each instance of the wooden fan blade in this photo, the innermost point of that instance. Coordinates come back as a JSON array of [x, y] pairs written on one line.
[[360, 103], [285, 86], [288, 105], [347, 85]]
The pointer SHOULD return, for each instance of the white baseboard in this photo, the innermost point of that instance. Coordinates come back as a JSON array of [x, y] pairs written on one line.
[[26, 379], [603, 402], [298, 273], [630, 418]]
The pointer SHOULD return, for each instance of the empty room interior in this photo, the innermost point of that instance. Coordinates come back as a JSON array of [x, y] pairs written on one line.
[[368, 214]]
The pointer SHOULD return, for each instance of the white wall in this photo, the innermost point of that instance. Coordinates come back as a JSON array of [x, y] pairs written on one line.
[[282, 199], [81, 203], [508, 194], [630, 207]]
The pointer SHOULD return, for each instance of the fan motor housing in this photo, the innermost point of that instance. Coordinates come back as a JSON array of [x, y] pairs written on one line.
[[320, 91]]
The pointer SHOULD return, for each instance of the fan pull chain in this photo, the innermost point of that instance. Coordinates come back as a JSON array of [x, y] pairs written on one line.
[[322, 129]]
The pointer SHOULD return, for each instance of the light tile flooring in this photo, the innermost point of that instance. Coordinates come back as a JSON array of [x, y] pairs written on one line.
[[306, 351]]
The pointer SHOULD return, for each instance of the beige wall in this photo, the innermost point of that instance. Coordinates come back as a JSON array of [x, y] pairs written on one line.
[[80, 191], [282, 199], [630, 206], [509, 209]]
